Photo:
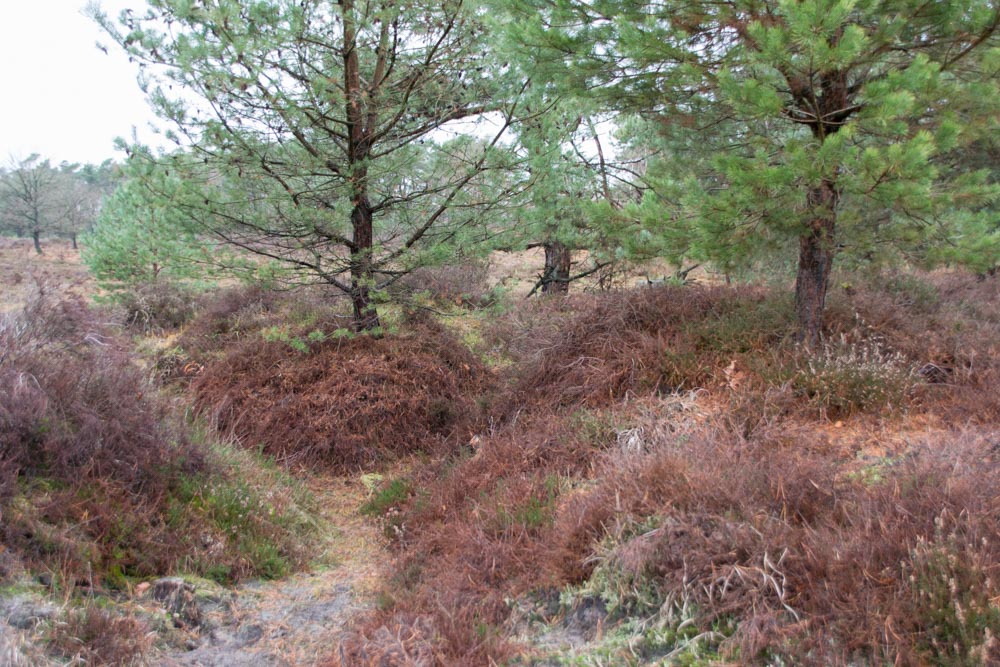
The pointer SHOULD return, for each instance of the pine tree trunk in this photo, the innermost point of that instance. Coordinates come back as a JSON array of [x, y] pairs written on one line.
[[72, 238], [816, 251], [365, 313], [558, 262], [358, 153], [36, 236]]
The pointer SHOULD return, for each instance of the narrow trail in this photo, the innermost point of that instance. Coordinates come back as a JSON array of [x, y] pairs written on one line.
[[300, 619]]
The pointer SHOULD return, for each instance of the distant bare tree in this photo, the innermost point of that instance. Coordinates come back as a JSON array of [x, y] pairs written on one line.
[[32, 200]]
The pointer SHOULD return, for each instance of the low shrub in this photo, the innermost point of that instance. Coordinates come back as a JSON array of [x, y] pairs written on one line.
[[951, 584], [95, 636], [462, 283], [228, 315], [947, 327], [735, 527], [843, 378], [596, 349], [389, 495], [99, 478], [155, 307], [344, 402], [74, 407], [236, 315], [473, 531], [758, 550], [799, 563]]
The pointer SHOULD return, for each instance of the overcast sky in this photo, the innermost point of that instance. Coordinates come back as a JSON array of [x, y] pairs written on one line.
[[61, 96]]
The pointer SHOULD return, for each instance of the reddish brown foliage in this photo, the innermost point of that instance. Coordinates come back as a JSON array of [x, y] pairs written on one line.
[[810, 564], [95, 636], [460, 283], [948, 325], [346, 403], [480, 537], [751, 520], [76, 414], [769, 535], [74, 407], [228, 315], [593, 350], [408, 641]]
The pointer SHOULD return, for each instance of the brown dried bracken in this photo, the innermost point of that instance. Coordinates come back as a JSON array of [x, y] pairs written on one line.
[[346, 403]]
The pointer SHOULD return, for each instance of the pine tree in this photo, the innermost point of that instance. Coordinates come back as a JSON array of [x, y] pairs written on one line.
[[558, 213], [827, 117], [141, 236], [310, 124]]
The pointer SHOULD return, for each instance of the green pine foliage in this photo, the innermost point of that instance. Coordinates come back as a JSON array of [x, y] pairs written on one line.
[[141, 239], [827, 122], [316, 133]]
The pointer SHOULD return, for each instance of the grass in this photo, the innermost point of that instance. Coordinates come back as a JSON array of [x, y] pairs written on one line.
[[843, 378], [96, 636], [261, 520], [389, 495], [21, 269]]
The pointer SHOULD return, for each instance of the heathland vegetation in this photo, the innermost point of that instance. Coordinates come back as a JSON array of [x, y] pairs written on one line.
[[549, 333]]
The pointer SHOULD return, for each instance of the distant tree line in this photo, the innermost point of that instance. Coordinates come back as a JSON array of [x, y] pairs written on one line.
[[38, 200]]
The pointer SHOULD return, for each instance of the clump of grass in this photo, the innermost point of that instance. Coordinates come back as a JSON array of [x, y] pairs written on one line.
[[95, 636], [252, 520], [844, 378], [951, 582], [392, 494]]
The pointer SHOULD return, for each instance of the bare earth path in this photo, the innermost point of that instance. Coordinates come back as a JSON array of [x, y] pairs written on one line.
[[300, 619]]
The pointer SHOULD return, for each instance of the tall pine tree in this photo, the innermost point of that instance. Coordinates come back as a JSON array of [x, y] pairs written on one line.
[[310, 123], [835, 113]]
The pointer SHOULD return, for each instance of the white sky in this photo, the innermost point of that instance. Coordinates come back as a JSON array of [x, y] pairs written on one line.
[[60, 96]]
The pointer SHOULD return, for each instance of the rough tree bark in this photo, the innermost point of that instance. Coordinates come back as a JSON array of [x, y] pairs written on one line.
[[359, 148], [824, 115], [556, 275], [365, 313], [816, 252]]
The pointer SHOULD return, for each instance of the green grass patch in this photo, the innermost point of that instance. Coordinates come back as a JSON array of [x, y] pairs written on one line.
[[390, 494]]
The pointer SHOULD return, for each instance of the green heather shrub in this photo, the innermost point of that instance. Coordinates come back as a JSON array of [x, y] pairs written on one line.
[[391, 494], [951, 587]]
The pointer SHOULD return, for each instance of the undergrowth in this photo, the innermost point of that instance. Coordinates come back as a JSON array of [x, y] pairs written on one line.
[[92, 635], [659, 461], [101, 481], [657, 471], [344, 402]]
